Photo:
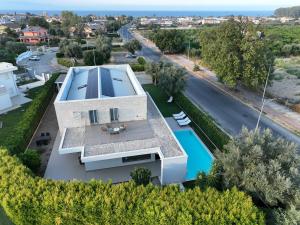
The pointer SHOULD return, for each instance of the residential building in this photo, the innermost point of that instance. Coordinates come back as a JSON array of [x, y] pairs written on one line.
[[34, 35], [105, 117], [8, 87]]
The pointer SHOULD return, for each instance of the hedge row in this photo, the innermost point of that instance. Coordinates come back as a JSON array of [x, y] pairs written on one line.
[[32, 200], [65, 62], [136, 67], [205, 122], [31, 118]]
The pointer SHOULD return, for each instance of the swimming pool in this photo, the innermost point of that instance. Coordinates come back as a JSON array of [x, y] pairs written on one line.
[[199, 157]]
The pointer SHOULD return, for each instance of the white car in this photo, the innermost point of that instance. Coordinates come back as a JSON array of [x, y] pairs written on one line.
[[34, 58]]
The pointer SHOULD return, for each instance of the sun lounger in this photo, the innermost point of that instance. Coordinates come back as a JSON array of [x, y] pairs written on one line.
[[178, 114], [170, 99], [184, 122]]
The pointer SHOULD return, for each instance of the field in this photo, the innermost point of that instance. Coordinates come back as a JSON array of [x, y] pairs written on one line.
[[286, 80]]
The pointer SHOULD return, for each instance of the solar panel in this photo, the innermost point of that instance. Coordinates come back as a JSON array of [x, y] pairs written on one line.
[[106, 83], [92, 84]]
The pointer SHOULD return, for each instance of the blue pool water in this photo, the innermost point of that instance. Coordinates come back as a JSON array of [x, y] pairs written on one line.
[[199, 157]]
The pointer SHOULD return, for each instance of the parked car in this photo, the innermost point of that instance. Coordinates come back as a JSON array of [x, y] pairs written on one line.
[[129, 55], [34, 58]]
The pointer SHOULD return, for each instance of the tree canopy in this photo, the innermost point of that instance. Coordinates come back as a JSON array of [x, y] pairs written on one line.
[[264, 166], [38, 21], [133, 45], [288, 12], [237, 54]]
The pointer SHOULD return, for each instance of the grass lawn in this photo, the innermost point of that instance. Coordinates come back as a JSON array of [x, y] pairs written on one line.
[[119, 49], [11, 119], [4, 220], [160, 98]]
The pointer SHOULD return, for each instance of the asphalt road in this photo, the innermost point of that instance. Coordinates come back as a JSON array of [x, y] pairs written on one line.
[[228, 112]]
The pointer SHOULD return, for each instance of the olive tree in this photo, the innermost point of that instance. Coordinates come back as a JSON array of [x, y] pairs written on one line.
[[133, 46], [265, 166]]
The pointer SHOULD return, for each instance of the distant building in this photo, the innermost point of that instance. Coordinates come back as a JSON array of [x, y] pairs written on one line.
[[8, 86], [34, 35]]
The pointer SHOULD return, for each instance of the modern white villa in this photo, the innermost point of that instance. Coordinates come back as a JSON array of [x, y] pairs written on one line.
[[8, 87], [106, 118]]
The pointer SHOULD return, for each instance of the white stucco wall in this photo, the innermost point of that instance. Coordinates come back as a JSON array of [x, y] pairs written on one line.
[[5, 101], [173, 170], [75, 113], [109, 163], [8, 80]]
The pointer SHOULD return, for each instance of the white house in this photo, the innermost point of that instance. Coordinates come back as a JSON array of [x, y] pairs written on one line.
[[8, 87], [105, 115]]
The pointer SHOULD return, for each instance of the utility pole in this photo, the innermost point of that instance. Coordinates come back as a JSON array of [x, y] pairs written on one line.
[[189, 49], [263, 100]]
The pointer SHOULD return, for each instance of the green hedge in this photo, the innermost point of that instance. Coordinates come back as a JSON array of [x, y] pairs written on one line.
[[60, 55], [205, 122], [65, 62], [136, 67], [32, 200], [31, 118]]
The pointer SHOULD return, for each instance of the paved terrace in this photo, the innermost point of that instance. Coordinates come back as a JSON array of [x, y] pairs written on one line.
[[138, 135]]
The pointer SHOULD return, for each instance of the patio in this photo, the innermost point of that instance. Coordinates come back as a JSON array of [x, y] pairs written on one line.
[[67, 167]]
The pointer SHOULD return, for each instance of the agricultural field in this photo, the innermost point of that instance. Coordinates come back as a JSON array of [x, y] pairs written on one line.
[[286, 80]]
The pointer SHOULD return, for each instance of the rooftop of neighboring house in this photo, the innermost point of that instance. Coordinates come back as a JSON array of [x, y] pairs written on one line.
[[95, 82]]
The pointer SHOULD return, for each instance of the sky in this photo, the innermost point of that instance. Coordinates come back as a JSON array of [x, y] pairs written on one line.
[[145, 4]]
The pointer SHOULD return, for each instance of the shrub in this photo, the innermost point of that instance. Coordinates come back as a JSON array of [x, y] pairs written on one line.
[[88, 48], [137, 67], [65, 62], [90, 57], [196, 67], [141, 176], [31, 158], [205, 122], [31, 118], [141, 60], [33, 200], [59, 55]]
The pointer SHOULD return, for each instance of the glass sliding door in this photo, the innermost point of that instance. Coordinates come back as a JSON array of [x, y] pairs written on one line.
[[93, 114], [114, 114]]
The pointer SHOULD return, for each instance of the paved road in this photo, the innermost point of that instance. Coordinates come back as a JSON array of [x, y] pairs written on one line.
[[44, 65], [227, 111]]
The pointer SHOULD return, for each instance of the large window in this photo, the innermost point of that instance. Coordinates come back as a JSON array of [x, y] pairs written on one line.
[[93, 116], [136, 158], [114, 114]]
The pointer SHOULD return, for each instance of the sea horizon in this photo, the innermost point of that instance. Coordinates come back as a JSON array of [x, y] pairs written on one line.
[[158, 13]]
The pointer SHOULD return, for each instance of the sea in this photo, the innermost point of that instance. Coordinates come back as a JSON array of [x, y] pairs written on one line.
[[150, 13]]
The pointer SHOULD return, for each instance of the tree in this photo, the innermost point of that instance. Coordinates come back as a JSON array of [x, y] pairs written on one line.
[[154, 70], [92, 57], [264, 166], [31, 158], [38, 21], [172, 80], [16, 47], [6, 56], [141, 60], [103, 44], [73, 50], [63, 45], [169, 41], [141, 176], [237, 54], [69, 19], [133, 46]]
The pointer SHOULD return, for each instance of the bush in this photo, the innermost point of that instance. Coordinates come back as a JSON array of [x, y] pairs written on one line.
[[141, 60], [59, 55], [206, 123], [196, 68], [90, 60], [141, 176], [31, 118], [65, 62], [137, 67], [33, 200], [88, 48], [31, 158]]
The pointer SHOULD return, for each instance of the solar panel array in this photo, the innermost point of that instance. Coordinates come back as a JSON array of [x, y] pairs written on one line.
[[106, 83], [92, 84]]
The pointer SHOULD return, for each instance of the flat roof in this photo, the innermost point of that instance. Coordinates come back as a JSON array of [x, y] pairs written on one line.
[[142, 134], [98, 82]]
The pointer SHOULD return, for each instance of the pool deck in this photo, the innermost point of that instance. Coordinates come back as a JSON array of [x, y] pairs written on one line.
[[174, 125]]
